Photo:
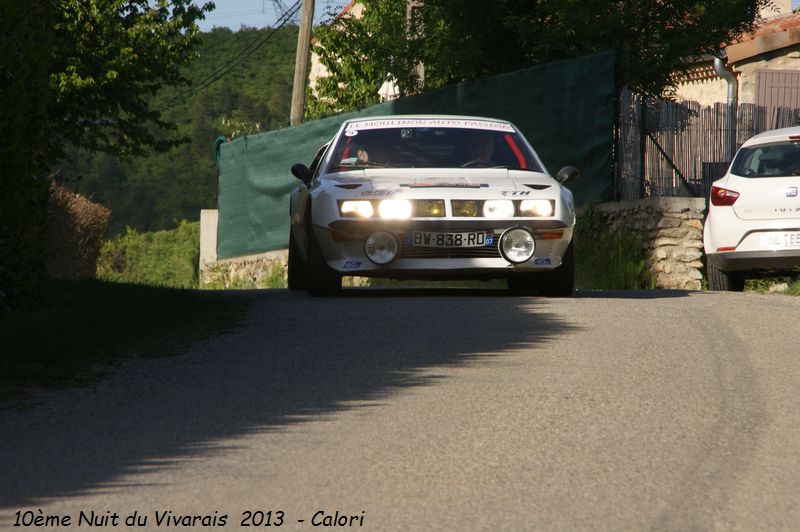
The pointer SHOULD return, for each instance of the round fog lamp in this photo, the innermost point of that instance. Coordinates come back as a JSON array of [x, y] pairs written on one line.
[[517, 245], [381, 247]]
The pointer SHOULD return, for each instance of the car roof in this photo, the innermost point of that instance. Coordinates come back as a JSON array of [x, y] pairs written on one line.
[[773, 135], [426, 117]]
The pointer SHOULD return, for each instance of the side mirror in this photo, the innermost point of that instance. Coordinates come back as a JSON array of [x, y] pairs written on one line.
[[567, 174], [301, 172]]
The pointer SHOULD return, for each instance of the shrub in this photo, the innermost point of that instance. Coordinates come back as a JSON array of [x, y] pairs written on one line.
[[75, 229], [161, 258]]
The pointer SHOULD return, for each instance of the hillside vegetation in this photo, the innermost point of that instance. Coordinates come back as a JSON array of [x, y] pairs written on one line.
[[158, 190]]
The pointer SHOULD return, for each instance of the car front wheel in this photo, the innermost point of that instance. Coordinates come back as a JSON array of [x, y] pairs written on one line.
[[296, 270], [723, 281], [321, 280], [561, 281]]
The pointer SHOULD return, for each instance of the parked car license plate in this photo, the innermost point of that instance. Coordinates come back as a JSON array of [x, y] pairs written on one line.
[[780, 240], [472, 239]]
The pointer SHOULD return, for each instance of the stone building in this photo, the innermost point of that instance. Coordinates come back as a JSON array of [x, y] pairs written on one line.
[[765, 63]]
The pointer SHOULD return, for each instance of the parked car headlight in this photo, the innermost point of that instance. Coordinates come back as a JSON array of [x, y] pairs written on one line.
[[498, 209], [392, 209], [536, 207], [356, 208]]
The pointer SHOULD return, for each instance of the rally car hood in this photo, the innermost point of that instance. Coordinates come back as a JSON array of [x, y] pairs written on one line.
[[483, 178]]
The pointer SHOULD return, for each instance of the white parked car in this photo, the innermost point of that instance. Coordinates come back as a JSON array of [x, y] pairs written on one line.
[[431, 197], [753, 224]]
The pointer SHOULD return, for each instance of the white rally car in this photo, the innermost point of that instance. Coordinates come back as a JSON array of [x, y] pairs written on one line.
[[431, 197], [753, 223]]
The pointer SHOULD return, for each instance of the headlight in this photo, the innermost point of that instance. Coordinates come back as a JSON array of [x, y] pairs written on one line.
[[536, 207], [517, 245], [498, 209], [395, 209], [381, 247], [356, 208]]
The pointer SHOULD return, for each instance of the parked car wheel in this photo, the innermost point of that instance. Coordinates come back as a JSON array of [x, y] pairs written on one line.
[[296, 270], [321, 280], [561, 281], [722, 281]]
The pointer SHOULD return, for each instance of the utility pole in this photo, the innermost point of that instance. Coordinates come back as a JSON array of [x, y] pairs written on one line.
[[301, 63]]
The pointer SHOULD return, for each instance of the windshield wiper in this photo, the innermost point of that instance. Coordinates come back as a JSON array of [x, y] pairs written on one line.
[[362, 165]]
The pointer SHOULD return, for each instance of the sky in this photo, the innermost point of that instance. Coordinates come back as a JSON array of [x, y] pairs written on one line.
[[259, 13], [262, 13]]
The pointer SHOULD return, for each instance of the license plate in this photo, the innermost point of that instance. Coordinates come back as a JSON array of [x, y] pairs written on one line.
[[781, 240], [473, 239]]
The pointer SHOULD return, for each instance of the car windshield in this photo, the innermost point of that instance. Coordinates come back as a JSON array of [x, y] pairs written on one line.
[[777, 159], [425, 145]]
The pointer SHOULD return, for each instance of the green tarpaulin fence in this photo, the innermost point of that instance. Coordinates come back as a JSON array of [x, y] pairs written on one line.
[[565, 109]]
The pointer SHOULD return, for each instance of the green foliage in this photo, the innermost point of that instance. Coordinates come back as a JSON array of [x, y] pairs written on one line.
[[362, 53], [60, 339], [609, 260], [110, 58], [161, 258], [26, 46], [152, 192], [472, 40]]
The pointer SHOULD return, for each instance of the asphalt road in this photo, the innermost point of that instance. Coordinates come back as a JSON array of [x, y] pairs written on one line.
[[436, 410]]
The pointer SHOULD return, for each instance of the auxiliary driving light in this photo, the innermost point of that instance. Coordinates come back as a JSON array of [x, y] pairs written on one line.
[[381, 247], [391, 209], [517, 245], [536, 207], [498, 209]]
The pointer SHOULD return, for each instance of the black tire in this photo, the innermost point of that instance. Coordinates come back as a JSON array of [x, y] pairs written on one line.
[[722, 281], [561, 281], [295, 269], [321, 280]]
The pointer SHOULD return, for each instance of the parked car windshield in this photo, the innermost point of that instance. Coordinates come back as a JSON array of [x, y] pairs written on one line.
[[776, 159], [423, 145]]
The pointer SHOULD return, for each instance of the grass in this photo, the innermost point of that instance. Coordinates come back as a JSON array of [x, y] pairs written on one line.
[[763, 285], [609, 261], [60, 339]]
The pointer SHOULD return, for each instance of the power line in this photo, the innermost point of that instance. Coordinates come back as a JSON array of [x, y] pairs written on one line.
[[246, 52]]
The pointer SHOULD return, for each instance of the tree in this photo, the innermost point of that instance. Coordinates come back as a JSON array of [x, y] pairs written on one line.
[[110, 58], [78, 74], [360, 54], [467, 40]]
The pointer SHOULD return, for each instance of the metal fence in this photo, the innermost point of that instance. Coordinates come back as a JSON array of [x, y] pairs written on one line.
[[668, 148]]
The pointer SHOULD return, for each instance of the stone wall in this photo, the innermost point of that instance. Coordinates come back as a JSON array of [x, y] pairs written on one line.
[[672, 229], [265, 270]]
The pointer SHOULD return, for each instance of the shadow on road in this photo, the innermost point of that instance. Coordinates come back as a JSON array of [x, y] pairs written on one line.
[[296, 358], [632, 294]]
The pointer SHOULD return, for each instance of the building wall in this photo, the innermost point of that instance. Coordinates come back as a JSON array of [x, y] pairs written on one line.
[[778, 7], [710, 91], [788, 59]]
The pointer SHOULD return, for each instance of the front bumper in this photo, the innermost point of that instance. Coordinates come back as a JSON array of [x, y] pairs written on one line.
[[766, 260], [342, 244]]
